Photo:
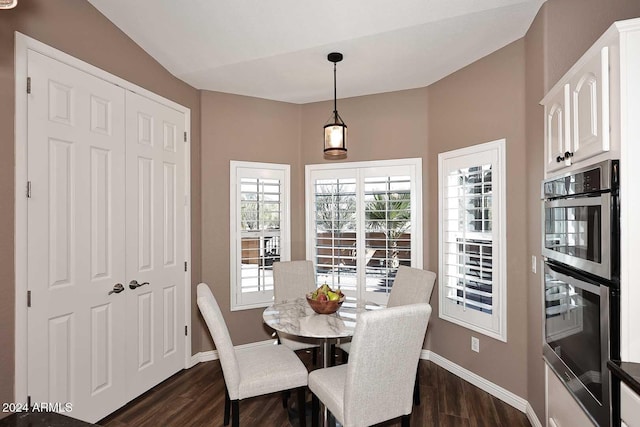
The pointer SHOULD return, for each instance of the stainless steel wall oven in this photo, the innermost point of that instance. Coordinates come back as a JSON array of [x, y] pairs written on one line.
[[581, 282]]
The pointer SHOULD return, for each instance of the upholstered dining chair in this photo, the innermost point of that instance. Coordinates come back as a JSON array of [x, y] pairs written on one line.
[[377, 383], [292, 280], [411, 286], [251, 372]]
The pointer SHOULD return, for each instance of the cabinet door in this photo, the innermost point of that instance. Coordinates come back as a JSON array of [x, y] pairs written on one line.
[[629, 406], [562, 408], [557, 129], [590, 108]]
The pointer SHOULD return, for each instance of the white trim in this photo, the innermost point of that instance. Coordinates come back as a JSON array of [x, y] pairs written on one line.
[[359, 171], [206, 356], [237, 300], [23, 44], [494, 325], [20, 217], [532, 417], [495, 390]]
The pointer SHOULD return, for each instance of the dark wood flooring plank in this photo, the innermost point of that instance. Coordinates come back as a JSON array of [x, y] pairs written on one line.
[[480, 407], [195, 397], [451, 399], [509, 416]]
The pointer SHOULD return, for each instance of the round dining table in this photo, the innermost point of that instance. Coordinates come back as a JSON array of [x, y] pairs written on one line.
[[297, 318]]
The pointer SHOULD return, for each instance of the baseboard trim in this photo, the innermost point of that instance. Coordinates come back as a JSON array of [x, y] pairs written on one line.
[[206, 356], [495, 390], [533, 418]]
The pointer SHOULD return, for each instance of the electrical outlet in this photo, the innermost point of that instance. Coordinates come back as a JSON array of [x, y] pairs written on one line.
[[534, 264], [475, 344]]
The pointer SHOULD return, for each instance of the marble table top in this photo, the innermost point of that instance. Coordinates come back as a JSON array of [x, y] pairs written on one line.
[[298, 318]]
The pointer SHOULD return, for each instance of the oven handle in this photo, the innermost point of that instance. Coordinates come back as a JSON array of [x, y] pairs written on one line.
[[569, 279], [579, 201]]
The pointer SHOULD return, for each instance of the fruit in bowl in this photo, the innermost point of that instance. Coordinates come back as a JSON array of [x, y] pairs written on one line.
[[325, 300]]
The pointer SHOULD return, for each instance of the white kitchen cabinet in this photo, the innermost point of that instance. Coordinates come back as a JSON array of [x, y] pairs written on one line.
[[556, 128], [629, 407], [562, 409], [577, 110], [593, 114], [589, 93]]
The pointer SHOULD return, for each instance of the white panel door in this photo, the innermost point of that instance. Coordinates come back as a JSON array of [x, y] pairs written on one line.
[[76, 166], [155, 241]]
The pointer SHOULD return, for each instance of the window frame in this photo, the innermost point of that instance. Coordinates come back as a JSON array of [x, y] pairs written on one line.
[[237, 171], [495, 325], [360, 171]]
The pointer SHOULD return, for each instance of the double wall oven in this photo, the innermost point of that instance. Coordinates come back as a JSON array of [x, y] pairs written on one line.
[[581, 289]]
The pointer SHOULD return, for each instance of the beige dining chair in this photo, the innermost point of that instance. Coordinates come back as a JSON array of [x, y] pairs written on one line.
[[377, 383], [292, 280], [251, 372], [411, 286]]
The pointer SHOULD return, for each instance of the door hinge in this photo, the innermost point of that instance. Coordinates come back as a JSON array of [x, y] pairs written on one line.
[[185, 266], [186, 330], [185, 137], [28, 189], [28, 298], [28, 84]]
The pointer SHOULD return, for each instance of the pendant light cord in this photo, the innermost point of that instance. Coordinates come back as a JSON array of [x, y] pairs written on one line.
[[335, 94]]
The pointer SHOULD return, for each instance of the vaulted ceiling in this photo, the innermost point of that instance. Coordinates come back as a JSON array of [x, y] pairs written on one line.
[[277, 49]]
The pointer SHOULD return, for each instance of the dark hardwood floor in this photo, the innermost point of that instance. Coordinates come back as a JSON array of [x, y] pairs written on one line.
[[195, 397]]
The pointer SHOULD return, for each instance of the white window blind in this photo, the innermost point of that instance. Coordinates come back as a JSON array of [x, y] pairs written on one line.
[[472, 238], [363, 221], [260, 230]]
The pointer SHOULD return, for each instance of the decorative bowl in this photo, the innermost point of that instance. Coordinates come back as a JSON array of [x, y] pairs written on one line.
[[324, 307]]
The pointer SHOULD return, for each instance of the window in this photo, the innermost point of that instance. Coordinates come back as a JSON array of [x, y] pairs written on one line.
[[364, 220], [472, 270], [259, 230]]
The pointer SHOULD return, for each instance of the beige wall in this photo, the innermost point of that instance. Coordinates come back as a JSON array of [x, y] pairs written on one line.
[[534, 77], [480, 103], [78, 29], [249, 129]]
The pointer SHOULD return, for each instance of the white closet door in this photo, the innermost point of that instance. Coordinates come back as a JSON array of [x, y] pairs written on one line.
[[76, 166], [155, 241]]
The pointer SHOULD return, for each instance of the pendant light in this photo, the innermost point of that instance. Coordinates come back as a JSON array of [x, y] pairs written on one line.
[[8, 4], [335, 131]]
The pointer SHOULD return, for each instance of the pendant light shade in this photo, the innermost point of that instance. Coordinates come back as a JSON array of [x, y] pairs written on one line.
[[335, 131], [8, 4]]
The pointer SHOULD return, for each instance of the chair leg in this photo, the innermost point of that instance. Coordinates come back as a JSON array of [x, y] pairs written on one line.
[[227, 406], [332, 355], [406, 419], [285, 398], [345, 357], [235, 413], [315, 410], [416, 389], [302, 412]]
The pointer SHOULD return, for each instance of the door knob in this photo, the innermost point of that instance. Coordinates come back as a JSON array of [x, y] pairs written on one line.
[[134, 284], [117, 288]]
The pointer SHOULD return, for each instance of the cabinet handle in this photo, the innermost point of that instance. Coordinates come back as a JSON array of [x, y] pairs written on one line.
[[568, 154], [559, 159]]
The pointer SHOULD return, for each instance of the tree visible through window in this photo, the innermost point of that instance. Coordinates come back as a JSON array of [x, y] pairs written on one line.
[[364, 223]]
